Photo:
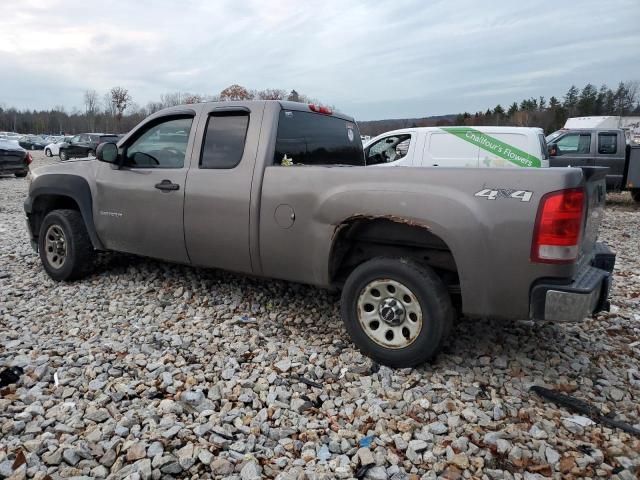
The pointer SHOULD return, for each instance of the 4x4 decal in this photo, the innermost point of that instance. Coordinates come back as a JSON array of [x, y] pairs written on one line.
[[495, 193]]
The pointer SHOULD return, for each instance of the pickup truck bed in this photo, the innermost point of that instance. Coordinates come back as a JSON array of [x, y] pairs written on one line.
[[280, 190]]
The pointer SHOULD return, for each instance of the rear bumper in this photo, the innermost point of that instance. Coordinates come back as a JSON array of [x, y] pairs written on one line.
[[587, 295], [9, 168]]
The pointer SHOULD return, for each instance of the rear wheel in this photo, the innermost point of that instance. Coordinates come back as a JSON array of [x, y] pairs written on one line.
[[63, 155], [91, 153], [21, 174], [33, 147], [396, 311], [64, 245], [635, 194], [47, 152]]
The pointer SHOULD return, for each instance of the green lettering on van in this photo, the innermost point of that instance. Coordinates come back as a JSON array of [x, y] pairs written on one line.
[[495, 146]]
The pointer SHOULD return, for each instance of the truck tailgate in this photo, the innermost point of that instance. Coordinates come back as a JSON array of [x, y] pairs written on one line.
[[595, 190]]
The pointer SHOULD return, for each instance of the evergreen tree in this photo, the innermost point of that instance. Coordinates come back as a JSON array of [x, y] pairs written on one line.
[[587, 100], [571, 100]]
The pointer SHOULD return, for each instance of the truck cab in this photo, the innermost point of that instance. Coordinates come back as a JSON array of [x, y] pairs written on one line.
[[590, 147]]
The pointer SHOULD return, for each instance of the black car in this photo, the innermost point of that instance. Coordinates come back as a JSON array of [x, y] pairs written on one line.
[[14, 159], [32, 142], [84, 145]]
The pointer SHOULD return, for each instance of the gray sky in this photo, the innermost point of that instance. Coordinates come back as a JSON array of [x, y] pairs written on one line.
[[373, 60]]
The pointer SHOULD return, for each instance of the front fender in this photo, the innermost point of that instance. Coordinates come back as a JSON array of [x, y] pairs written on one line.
[[67, 186]]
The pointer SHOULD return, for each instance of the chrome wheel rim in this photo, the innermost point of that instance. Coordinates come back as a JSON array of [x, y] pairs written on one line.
[[55, 246], [389, 313]]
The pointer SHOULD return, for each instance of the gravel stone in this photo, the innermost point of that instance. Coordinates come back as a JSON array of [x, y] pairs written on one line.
[[251, 471], [221, 466], [144, 368]]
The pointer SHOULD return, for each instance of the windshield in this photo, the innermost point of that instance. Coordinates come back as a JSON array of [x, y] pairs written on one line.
[[306, 138], [554, 135]]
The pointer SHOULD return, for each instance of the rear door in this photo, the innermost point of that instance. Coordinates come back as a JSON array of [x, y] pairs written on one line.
[[139, 207], [609, 154], [73, 147], [217, 209], [574, 149]]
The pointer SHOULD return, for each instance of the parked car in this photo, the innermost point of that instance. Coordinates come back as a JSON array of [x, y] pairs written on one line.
[[84, 145], [32, 142], [589, 147], [459, 147], [280, 190], [53, 148], [13, 158]]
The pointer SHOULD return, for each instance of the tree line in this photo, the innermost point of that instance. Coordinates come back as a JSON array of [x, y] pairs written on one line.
[[116, 112], [551, 115]]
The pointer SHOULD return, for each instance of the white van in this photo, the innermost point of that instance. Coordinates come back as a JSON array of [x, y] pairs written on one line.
[[459, 147]]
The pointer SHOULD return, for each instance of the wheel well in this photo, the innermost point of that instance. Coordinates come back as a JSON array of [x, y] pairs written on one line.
[[359, 240], [44, 204]]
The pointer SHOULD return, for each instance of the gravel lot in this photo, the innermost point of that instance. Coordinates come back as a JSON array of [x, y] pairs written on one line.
[[150, 370]]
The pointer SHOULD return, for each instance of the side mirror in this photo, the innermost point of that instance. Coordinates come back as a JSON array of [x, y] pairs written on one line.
[[107, 152], [553, 150]]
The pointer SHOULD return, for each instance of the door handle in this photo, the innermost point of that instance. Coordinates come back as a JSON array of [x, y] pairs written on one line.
[[167, 186]]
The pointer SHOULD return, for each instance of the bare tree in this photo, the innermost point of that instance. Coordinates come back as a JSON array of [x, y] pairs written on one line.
[[171, 99], [272, 94], [192, 98], [235, 92], [120, 100], [91, 107]]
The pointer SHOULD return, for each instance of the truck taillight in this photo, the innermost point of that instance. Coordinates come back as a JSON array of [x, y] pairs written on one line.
[[320, 109], [28, 159], [558, 228]]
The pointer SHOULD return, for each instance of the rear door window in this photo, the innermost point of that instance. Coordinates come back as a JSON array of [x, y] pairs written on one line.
[[607, 143], [306, 138], [224, 140]]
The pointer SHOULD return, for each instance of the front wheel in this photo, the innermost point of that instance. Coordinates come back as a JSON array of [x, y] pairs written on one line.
[[396, 311], [91, 153], [21, 174], [635, 194], [47, 152], [64, 245]]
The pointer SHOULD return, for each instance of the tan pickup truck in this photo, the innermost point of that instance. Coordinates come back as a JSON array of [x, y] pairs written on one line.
[[279, 189]]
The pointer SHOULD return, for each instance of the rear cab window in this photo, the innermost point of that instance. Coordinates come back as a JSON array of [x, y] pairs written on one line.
[[307, 138]]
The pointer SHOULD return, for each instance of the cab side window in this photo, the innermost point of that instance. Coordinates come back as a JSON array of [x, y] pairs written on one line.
[[388, 149], [607, 143], [224, 140], [163, 145], [574, 143]]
